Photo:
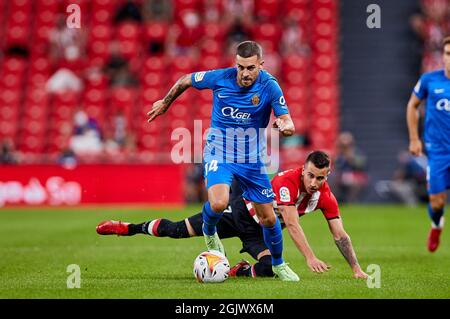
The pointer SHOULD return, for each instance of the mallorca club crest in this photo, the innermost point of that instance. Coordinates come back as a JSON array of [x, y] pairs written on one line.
[[255, 100]]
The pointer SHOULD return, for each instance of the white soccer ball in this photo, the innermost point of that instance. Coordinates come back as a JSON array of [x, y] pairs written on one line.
[[211, 266]]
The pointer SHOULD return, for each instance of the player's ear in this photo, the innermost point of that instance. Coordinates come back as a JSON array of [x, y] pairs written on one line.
[[261, 64]]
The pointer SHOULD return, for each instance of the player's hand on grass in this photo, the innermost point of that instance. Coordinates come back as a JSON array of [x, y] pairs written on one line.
[[317, 265], [415, 147], [358, 273], [159, 107]]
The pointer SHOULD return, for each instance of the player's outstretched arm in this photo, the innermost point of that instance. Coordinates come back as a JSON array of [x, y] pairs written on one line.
[[290, 217], [412, 119], [161, 106], [343, 242], [285, 125]]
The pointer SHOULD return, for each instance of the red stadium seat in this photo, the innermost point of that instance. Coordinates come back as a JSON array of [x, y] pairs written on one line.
[[209, 63], [211, 48], [35, 112], [11, 81], [128, 31], [9, 113], [101, 32], [151, 95], [297, 10], [153, 79], [9, 97], [214, 31], [130, 49], [156, 31], [268, 32], [295, 62], [154, 64], [267, 9], [149, 142]]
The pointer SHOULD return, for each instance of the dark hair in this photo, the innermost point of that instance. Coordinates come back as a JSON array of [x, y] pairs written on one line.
[[319, 159], [445, 41], [248, 49]]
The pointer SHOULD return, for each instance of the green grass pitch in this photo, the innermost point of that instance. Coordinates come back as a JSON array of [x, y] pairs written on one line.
[[37, 245]]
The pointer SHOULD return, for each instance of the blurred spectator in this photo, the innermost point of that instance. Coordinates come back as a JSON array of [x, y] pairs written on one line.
[[129, 11], [184, 37], [7, 153], [195, 191], [409, 183], [117, 68], [293, 39], [120, 129], [213, 10], [431, 26], [272, 59], [87, 143], [64, 80], [67, 158], [66, 43], [157, 10], [239, 10], [349, 176], [82, 123]]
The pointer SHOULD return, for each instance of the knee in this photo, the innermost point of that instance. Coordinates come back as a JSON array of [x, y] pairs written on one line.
[[437, 203], [268, 220], [219, 205]]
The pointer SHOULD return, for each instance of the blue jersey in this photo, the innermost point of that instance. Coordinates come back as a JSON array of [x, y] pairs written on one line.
[[435, 88], [239, 113]]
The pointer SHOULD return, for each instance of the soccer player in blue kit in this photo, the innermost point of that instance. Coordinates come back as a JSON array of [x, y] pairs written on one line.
[[243, 98], [434, 88]]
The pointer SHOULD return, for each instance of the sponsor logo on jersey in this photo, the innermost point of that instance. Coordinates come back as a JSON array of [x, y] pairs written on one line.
[[285, 196], [443, 105], [234, 113], [439, 91], [255, 100], [199, 76], [267, 192]]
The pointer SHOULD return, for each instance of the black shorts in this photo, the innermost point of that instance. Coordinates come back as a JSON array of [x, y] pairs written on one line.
[[236, 223]]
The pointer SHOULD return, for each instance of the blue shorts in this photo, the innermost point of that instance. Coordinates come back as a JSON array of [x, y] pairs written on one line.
[[251, 177], [438, 174]]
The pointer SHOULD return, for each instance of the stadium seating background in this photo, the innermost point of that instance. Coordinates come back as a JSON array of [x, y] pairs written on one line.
[[40, 124]]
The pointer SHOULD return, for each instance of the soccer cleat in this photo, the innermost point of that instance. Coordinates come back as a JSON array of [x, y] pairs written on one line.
[[213, 243], [285, 273], [112, 227], [243, 264], [433, 239]]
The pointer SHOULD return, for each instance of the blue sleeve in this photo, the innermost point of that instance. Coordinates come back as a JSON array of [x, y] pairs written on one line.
[[206, 79], [277, 100], [421, 88]]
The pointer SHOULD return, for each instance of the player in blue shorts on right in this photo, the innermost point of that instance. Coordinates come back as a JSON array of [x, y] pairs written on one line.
[[434, 88], [243, 99]]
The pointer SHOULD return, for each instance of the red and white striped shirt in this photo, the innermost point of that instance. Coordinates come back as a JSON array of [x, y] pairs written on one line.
[[289, 190]]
